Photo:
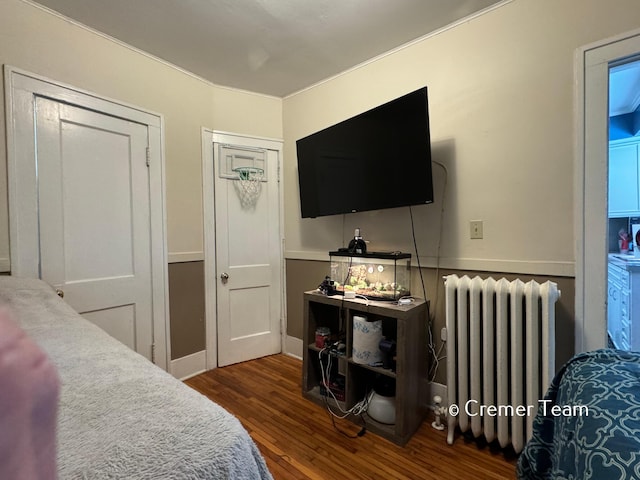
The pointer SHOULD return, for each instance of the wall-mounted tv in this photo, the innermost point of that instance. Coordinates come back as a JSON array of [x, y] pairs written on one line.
[[378, 159]]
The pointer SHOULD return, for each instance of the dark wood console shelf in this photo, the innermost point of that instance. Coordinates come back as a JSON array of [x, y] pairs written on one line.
[[406, 324]]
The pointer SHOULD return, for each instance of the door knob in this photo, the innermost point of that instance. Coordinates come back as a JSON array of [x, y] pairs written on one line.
[[224, 277]]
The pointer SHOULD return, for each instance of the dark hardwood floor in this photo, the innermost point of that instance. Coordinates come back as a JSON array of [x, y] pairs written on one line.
[[298, 440]]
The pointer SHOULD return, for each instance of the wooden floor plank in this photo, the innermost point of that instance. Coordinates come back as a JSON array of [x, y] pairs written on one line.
[[298, 441]]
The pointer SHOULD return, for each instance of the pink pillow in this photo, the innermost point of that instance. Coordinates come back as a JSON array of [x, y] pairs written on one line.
[[29, 389]]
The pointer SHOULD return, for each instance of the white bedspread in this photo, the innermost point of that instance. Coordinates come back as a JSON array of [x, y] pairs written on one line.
[[120, 416]]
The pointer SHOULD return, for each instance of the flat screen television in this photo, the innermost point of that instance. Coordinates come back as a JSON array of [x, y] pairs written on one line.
[[378, 159]]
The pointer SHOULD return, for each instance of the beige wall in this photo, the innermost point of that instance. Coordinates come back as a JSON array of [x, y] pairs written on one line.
[[45, 44], [302, 276], [501, 103], [39, 42], [501, 90], [186, 308]]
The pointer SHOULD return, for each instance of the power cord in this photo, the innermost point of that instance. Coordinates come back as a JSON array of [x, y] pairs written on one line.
[[357, 410], [363, 297], [344, 290], [430, 343], [433, 369], [362, 431]]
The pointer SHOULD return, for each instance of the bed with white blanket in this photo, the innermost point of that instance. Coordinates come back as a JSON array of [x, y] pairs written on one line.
[[119, 415]]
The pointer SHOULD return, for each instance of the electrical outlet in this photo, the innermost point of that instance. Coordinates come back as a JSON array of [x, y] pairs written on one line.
[[475, 228], [443, 334]]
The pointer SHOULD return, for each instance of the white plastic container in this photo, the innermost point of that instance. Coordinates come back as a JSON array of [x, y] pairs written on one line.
[[382, 409]]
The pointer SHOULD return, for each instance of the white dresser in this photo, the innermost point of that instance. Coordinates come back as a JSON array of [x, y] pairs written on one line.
[[623, 301]]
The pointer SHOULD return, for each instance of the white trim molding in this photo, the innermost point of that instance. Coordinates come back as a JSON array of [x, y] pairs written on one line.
[[189, 366], [210, 283], [183, 257], [527, 267]]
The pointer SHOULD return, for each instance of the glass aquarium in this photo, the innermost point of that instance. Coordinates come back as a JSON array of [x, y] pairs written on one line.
[[375, 275]]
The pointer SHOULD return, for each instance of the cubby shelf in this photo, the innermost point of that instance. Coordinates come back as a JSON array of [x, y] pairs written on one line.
[[406, 324]]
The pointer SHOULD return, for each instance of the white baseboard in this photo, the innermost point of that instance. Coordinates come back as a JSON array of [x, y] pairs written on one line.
[[179, 257], [293, 347], [189, 366]]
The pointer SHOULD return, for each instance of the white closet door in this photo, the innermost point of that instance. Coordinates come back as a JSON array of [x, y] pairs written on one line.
[[248, 256], [94, 217]]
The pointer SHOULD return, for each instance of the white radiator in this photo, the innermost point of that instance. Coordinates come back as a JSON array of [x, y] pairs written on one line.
[[500, 355]]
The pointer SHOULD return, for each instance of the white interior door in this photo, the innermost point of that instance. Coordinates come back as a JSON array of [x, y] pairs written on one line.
[[248, 254], [87, 207], [94, 217]]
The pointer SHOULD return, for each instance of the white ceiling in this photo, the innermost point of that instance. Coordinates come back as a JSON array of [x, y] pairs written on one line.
[[275, 47]]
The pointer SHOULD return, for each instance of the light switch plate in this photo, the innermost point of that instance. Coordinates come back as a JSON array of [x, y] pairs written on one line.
[[475, 229]]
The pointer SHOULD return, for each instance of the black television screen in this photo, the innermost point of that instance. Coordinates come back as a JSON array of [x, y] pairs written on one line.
[[378, 159]]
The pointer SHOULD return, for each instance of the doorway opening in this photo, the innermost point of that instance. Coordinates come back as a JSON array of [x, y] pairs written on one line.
[[593, 65], [623, 211]]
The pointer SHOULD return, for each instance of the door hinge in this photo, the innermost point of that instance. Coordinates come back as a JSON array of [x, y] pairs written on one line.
[[148, 156], [153, 352]]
